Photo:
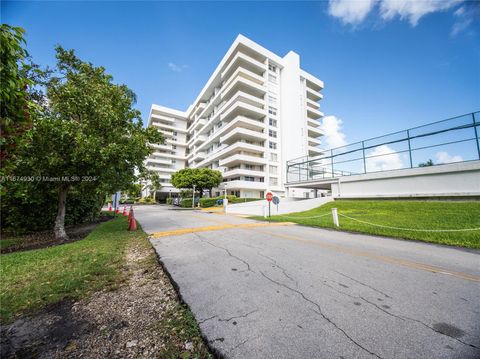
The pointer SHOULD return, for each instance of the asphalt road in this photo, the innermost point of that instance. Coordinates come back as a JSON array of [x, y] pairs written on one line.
[[286, 291]]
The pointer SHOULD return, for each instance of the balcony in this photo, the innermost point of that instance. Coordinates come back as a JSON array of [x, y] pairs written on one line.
[[313, 123], [313, 104], [161, 147], [237, 159], [314, 151], [240, 108], [240, 133], [314, 95], [246, 62], [161, 118], [238, 122], [168, 127], [198, 124], [314, 142], [199, 139], [314, 131], [239, 184], [225, 150], [242, 172], [314, 114], [243, 84], [162, 161], [200, 107]]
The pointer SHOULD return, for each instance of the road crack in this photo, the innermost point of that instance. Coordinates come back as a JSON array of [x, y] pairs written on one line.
[[284, 271], [320, 312], [238, 316], [364, 284], [203, 239]]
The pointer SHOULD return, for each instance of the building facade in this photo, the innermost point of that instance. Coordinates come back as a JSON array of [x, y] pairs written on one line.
[[256, 111]]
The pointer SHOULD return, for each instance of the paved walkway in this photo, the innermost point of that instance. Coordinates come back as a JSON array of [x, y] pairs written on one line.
[[286, 291]]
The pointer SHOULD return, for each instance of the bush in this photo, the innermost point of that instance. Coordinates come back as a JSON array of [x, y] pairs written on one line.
[[28, 207], [186, 202], [208, 202], [146, 200], [169, 200], [211, 202]]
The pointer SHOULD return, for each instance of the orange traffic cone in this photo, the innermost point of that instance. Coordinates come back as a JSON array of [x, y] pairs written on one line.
[[130, 214], [132, 225], [124, 210], [109, 207]]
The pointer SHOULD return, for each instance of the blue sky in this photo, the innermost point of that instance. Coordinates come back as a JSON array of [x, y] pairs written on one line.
[[386, 67]]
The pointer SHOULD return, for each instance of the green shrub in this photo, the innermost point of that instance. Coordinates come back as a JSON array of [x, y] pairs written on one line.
[[186, 202], [29, 207], [146, 200], [169, 200], [208, 202]]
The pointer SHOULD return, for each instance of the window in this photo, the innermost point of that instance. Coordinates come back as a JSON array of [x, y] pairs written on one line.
[[174, 147], [272, 133], [272, 110], [273, 157], [273, 170], [249, 178], [272, 99], [272, 67], [272, 145], [174, 161], [273, 181], [272, 78], [174, 139], [272, 122], [174, 133], [249, 167]]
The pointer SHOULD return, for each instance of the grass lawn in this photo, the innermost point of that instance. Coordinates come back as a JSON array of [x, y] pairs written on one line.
[[432, 215], [33, 279]]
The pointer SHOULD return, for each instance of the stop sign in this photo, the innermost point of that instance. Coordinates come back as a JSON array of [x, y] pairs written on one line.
[[269, 196]]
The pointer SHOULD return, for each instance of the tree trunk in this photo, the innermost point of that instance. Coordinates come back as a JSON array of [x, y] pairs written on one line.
[[59, 228], [210, 191]]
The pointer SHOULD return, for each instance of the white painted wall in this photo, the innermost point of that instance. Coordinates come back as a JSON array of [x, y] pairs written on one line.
[[286, 205], [456, 179]]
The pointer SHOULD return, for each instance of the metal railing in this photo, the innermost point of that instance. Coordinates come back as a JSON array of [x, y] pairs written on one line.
[[452, 140]]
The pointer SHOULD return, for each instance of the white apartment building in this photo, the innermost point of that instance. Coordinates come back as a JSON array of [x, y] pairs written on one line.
[[256, 111]]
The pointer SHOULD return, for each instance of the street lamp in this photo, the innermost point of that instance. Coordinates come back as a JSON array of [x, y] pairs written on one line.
[[193, 197], [225, 191]]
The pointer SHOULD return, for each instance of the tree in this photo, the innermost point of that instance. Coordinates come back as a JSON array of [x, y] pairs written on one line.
[[201, 178], [426, 164], [89, 135], [15, 100]]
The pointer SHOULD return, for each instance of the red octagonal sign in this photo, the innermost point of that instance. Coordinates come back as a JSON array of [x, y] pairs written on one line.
[[269, 196]]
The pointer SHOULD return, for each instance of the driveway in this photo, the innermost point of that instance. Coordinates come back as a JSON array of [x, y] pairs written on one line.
[[287, 291]]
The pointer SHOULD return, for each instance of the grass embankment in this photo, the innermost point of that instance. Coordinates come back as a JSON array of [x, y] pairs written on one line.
[[33, 279], [431, 215], [142, 305]]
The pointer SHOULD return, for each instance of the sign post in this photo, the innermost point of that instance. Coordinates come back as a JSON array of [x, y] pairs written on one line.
[[269, 197], [276, 201]]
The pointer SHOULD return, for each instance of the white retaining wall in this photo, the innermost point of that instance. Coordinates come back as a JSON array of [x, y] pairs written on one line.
[[456, 179], [287, 205]]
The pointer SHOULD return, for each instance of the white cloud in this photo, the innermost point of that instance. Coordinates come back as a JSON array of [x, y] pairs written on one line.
[[383, 158], [350, 12], [176, 68], [465, 16], [332, 128], [354, 12], [413, 10], [445, 157]]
